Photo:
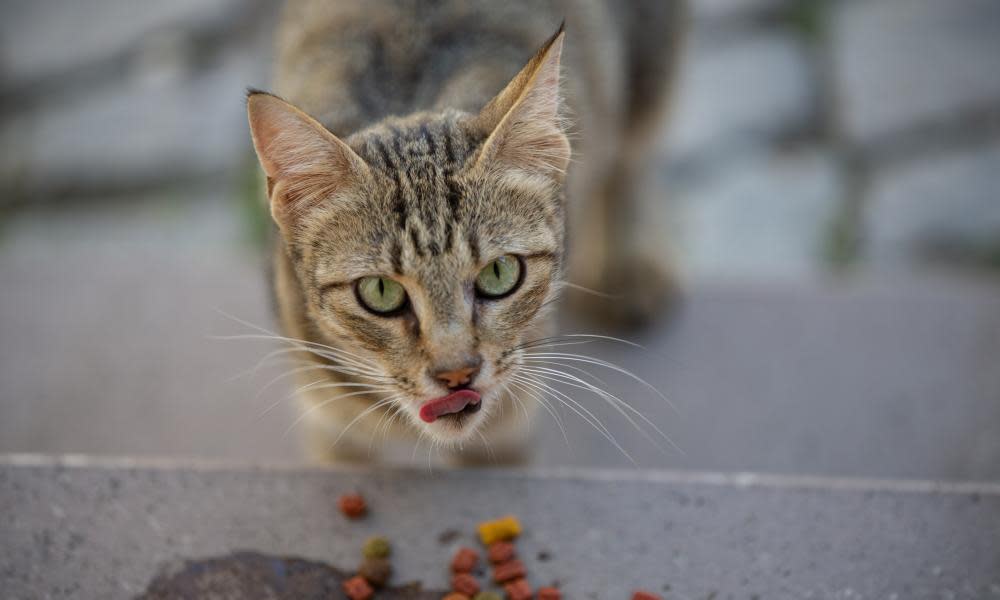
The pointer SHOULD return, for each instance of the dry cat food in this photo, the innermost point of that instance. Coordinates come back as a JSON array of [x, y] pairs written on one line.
[[549, 593], [512, 569], [357, 588], [376, 571], [518, 590], [500, 552], [496, 535], [353, 506], [464, 561], [464, 583], [499, 530], [376, 547]]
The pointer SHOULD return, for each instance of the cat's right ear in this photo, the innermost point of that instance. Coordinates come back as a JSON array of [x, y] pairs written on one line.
[[305, 164]]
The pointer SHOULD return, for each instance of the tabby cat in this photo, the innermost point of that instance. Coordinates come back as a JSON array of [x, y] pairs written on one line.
[[422, 181]]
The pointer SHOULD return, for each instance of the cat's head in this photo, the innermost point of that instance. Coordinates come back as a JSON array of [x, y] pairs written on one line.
[[427, 245]]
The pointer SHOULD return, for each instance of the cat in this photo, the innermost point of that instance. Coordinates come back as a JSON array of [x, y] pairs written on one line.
[[422, 177]]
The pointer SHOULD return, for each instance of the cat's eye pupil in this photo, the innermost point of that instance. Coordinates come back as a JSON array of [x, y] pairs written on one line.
[[381, 286]]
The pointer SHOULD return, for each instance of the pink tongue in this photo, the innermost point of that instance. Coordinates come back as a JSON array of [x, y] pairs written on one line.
[[452, 403]]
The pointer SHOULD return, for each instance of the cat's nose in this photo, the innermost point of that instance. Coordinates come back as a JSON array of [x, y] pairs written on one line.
[[454, 378]]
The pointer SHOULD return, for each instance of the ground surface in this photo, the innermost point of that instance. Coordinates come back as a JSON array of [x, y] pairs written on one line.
[[107, 531]]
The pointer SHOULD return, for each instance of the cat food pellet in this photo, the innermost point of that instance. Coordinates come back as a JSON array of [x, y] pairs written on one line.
[[376, 547], [518, 590], [549, 593], [357, 588], [463, 583], [512, 569], [454, 596], [499, 530], [487, 596], [353, 506], [499, 552], [376, 571], [464, 561], [644, 595]]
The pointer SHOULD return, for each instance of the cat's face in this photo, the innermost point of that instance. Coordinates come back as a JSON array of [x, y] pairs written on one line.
[[427, 246]]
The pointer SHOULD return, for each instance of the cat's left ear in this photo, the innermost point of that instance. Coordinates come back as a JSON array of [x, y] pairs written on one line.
[[305, 164], [526, 130]]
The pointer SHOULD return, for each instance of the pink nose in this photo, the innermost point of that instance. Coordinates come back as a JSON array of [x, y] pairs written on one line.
[[457, 377]]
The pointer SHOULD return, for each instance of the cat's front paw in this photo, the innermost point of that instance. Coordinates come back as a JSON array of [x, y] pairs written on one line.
[[632, 294]]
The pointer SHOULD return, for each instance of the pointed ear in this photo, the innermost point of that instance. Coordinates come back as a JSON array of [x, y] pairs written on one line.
[[304, 163], [523, 120]]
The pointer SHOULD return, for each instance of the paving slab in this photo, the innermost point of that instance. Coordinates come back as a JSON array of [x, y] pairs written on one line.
[[77, 529], [938, 207], [900, 64]]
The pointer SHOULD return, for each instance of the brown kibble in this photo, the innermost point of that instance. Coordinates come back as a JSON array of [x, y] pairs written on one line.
[[518, 590], [512, 569], [353, 506], [549, 593], [464, 561], [454, 596], [463, 583], [644, 595], [500, 552], [376, 571], [357, 588]]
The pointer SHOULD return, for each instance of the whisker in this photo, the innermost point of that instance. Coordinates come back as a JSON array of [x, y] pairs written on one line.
[[580, 410], [563, 356], [363, 414], [575, 286], [548, 408], [620, 405], [326, 402]]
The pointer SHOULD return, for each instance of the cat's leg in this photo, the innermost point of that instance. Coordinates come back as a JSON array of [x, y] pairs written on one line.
[[606, 254]]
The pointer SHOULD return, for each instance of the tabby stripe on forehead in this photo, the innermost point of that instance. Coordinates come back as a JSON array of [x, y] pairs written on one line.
[[396, 256], [431, 146], [398, 203], [415, 239], [449, 149]]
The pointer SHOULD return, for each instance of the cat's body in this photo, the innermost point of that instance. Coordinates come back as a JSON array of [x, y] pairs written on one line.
[[414, 78]]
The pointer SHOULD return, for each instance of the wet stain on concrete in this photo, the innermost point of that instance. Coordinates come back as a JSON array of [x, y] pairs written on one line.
[[255, 575]]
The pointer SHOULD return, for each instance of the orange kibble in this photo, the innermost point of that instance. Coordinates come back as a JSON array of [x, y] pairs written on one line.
[[549, 593], [357, 588], [499, 552], [518, 590], [512, 569], [464, 560], [499, 530], [353, 506], [644, 595], [463, 583]]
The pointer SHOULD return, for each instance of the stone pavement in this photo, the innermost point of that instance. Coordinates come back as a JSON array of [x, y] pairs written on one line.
[[104, 530]]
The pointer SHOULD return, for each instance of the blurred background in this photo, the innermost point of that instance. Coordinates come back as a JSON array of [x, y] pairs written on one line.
[[830, 191]]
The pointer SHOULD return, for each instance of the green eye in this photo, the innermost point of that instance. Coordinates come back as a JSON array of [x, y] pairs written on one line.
[[380, 294], [500, 277]]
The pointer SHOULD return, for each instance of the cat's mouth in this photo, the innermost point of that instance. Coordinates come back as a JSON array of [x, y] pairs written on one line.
[[456, 404]]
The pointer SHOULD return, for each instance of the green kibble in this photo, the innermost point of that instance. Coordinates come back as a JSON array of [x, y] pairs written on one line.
[[376, 571], [376, 547], [487, 596]]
